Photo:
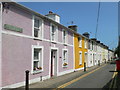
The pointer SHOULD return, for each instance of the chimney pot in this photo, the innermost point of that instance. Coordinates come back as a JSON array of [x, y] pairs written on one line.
[[50, 12], [86, 34], [73, 27]]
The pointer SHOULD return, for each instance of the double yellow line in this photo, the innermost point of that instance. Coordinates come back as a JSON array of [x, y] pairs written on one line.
[[113, 82], [115, 73], [74, 80]]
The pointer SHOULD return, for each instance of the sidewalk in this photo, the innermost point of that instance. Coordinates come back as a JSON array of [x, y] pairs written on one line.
[[57, 81]]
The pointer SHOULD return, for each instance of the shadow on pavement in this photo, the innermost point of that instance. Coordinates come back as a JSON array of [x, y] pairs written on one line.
[[107, 86], [113, 84]]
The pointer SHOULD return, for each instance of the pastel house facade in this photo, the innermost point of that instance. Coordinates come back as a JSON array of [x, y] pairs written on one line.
[[95, 52], [91, 53], [80, 51], [106, 54], [42, 45], [99, 52], [31, 41], [110, 54]]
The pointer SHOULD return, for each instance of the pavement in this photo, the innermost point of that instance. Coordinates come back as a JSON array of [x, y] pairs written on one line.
[[56, 82]]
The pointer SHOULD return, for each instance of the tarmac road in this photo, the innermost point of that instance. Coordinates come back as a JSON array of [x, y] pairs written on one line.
[[98, 79]]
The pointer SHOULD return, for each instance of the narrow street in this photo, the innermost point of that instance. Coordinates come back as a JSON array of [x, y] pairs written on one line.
[[98, 79]]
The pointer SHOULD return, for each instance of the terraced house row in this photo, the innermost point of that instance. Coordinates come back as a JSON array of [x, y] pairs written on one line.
[[40, 44]]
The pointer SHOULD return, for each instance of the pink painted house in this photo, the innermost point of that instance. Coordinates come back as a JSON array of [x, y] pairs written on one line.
[[31, 41]]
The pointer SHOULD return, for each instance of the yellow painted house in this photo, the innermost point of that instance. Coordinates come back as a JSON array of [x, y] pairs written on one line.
[[80, 51]]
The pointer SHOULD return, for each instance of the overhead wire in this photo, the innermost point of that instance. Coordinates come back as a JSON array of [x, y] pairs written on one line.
[[97, 20]]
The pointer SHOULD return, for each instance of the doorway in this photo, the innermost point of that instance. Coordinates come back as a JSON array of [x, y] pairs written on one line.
[[86, 59], [53, 62]]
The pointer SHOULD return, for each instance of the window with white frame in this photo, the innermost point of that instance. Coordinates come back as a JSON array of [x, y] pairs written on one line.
[[90, 45], [64, 36], [53, 33], [80, 58], [37, 59], [65, 58], [80, 41], [37, 27], [90, 58]]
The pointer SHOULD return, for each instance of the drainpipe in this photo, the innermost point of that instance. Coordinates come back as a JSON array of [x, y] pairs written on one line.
[[1, 8]]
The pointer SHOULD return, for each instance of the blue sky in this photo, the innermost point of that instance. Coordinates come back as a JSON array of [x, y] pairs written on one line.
[[84, 15]]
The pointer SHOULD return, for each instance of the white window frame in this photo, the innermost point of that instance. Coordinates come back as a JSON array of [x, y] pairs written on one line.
[[85, 42], [41, 27], [64, 38], [90, 45], [56, 33], [91, 58], [80, 41], [64, 61], [40, 60], [80, 58]]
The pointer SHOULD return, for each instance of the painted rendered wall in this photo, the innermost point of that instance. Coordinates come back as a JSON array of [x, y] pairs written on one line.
[[77, 49], [17, 48]]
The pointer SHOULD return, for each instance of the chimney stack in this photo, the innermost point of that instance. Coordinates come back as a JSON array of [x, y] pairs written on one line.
[[73, 27], [50, 12], [94, 39], [86, 34], [53, 16]]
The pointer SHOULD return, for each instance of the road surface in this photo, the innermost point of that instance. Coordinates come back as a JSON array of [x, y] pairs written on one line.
[[97, 79]]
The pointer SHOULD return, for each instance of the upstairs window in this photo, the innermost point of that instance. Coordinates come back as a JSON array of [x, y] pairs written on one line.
[[53, 33], [85, 43], [37, 27], [64, 36], [92, 46], [80, 41], [88, 44]]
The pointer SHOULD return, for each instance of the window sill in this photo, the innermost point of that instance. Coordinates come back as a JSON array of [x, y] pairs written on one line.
[[40, 39], [54, 42], [80, 46], [65, 66], [65, 44], [37, 71]]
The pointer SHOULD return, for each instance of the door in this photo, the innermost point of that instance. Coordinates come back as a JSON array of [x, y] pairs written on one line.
[[93, 59], [53, 63], [86, 59]]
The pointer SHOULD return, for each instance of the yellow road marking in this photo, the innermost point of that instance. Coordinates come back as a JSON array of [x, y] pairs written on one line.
[[74, 80], [115, 73], [111, 84]]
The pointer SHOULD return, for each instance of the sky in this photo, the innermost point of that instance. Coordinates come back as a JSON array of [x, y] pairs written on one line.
[[84, 15]]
